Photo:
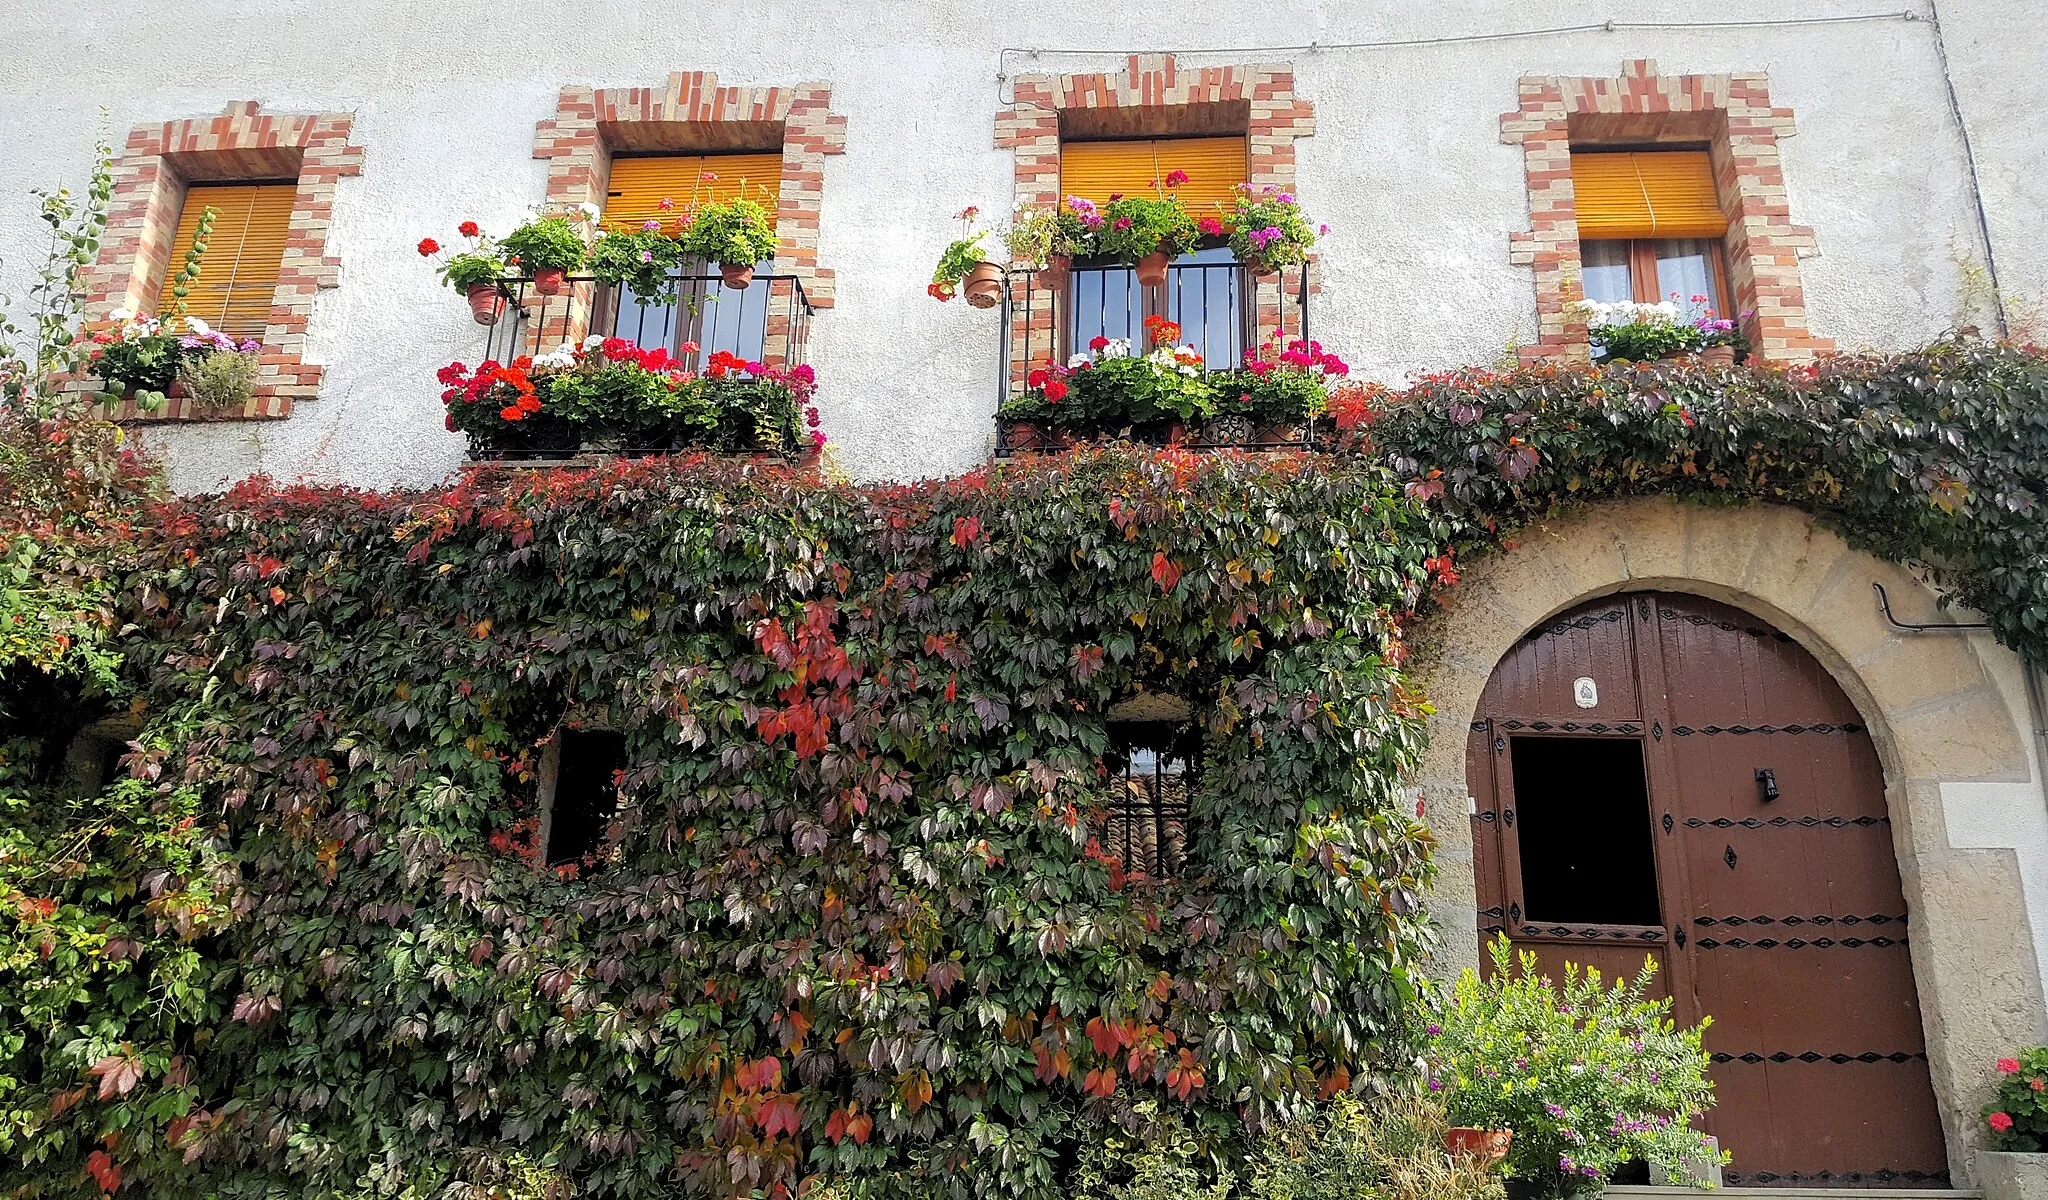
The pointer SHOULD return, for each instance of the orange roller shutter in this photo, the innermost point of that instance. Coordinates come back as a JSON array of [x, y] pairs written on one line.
[[1215, 166], [639, 185], [238, 274], [1651, 194]]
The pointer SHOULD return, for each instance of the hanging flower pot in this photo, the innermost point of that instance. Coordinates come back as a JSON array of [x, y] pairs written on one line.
[[486, 303], [1152, 269], [1487, 1145], [1053, 276], [737, 276], [1259, 267], [548, 280], [983, 286]]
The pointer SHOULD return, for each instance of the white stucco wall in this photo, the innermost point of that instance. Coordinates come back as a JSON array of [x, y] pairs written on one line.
[[1406, 165]]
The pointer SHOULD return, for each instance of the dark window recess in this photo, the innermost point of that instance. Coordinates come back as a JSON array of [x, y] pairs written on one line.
[[1152, 766], [585, 796], [1582, 817]]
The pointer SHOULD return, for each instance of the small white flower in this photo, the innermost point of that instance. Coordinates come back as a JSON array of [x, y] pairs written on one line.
[[590, 211], [1079, 360], [198, 326], [593, 341], [121, 314]]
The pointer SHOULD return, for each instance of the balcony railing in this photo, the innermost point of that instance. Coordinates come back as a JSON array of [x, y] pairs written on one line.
[[1223, 311], [766, 322]]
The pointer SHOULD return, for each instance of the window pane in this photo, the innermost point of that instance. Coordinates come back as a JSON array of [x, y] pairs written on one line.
[[1683, 274], [1582, 817], [1603, 266], [1107, 303], [710, 314], [1202, 298]]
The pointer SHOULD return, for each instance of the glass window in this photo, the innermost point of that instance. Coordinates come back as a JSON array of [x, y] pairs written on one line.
[[1604, 271], [1202, 294], [1685, 275]]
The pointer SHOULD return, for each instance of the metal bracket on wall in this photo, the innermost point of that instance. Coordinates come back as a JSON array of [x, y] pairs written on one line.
[[1884, 604]]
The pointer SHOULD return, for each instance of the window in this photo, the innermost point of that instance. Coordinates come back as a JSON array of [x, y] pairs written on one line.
[[704, 310], [1582, 820], [1154, 764], [1650, 225], [238, 273], [1203, 292], [579, 792]]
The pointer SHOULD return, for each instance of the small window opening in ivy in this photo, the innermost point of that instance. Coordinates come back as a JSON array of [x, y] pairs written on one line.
[[579, 792], [1154, 764], [92, 763]]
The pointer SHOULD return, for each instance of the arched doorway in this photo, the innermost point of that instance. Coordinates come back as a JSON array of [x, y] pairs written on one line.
[[1656, 773]]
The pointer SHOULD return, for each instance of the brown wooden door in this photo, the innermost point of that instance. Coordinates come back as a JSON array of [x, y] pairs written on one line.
[[1630, 817]]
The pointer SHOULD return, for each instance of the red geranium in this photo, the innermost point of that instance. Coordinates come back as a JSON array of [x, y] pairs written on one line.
[[467, 229], [1097, 342], [1055, 391], [429, 246]]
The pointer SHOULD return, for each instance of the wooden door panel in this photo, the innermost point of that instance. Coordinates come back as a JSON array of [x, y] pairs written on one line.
[[1534, 680], [1786, 922]]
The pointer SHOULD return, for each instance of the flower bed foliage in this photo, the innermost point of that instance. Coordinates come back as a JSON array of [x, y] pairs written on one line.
[[1111, 388], [611, 393], [1632, 332], [855, 918]]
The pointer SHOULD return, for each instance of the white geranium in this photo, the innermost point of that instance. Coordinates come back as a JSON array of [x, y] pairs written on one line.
[[121, 314], [198, 326], [563, 355], [1626, 312]]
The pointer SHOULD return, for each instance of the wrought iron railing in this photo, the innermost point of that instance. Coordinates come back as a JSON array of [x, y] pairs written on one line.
[[1222, 309], [694, 317]]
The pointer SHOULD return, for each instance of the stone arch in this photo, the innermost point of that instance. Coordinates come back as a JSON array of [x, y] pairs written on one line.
[[1947, 714]]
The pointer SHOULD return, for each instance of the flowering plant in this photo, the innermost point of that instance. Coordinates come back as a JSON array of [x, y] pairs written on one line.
[[217, 371], [2018, 1117], [1039, 235], [960, 256], [1135, 226], [1267, 227], [1635, 332], [1279, 385], [611, 392], [478, 265], [546, 243], [1114, 386], [140, 355], [641, 261], [736, 233], [1588, 1077]]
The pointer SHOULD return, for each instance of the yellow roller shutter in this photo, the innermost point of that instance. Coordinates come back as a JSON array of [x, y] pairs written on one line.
[[238, 274], [1215, 166], [639, 185], [1652, 194]]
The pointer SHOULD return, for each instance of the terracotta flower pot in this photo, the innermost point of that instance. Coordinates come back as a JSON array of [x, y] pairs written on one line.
[[1259, 267], [1152, 269], [1021, 434], [548, 280], [1054, 275], [176, 391], [486, 303], [1717, 356], [1487, 1145], [983, 286], [736, 277]]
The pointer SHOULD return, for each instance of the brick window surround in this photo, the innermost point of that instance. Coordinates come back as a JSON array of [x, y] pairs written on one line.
[[1730, 114], [692, 114], [150, 180], [1153, 97]]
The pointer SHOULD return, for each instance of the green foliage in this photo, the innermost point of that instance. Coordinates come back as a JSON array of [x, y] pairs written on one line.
[[219, 379], [1391, 1148], [2022, 1103], [641, 262], [195, 259], [1936, 458], [1038, 235], [854, 918], [473, 268], [1136, 226], [960, 256], [736, 233], [1113, 390], [138, 359], [33, 361], [545, 243], [1588, 1077], [1157, 1158]]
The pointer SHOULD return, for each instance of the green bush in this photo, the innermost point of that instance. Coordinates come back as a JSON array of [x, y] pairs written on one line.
[[545, 243], [641, 262], [737, 233], [1391, 1148], [1587, 1076]]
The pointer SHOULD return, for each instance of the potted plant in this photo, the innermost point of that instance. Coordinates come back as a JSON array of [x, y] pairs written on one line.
[[1274, 395], [1114, 388], [735, 235], [1052, 237], [1721, 340], [547, 248], [1268, 231], [138, 358], [1585, 1077], [641, 261], [965, 266], [475, 272], [1627, 331], [217, 373], [2018, 1115], [1148, 232]]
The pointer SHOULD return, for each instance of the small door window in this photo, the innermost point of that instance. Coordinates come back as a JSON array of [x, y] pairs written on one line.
[[1582, 823]]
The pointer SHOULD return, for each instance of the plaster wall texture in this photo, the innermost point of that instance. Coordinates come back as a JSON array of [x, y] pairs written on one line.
[[1948, 715], [1406, 165]]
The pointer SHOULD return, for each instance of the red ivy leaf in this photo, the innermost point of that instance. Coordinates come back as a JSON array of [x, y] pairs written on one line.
[[118, 1074], [1164, 572]]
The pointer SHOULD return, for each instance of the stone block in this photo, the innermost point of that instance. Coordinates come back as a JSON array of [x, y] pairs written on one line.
[[2006, 1176]]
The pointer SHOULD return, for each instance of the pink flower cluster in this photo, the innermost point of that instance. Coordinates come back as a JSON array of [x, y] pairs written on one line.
[[1299, 354], [1085, 209]]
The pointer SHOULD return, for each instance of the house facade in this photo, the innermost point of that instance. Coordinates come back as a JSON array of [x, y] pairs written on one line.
[[1769, 719]]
